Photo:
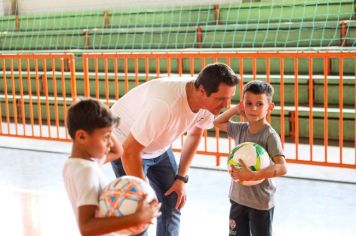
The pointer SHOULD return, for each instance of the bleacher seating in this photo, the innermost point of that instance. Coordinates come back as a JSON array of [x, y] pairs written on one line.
[[231, 27]]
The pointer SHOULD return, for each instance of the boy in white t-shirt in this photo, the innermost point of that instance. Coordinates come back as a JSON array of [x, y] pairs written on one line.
[[90, 126]]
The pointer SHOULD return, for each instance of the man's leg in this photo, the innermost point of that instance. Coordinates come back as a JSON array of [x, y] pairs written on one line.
[[261, 222], [162, 175], [118, 168]]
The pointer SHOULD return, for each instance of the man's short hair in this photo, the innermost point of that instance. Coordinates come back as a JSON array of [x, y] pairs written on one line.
[[89, 114], [259, 87], [213, 75]]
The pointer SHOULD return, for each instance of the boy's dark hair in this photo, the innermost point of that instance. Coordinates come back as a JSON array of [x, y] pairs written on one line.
[[89, 114], [213, 75], [259, 87]]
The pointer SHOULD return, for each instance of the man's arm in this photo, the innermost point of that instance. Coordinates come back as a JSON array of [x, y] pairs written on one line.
[[131, 159], [147, 126], [190, 145]]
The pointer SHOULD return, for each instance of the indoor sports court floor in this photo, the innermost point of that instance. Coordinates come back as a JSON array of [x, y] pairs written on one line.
[[34, 203]]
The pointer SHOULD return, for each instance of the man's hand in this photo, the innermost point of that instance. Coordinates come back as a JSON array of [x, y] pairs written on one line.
[[179, 188]]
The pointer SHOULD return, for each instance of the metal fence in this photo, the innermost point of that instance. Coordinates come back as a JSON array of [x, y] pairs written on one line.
[[314, 95]]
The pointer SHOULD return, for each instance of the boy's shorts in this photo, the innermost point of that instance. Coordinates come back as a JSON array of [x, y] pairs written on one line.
[[246, 221]]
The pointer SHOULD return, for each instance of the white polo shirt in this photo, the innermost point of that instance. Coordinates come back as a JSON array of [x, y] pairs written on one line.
[[157, 113]]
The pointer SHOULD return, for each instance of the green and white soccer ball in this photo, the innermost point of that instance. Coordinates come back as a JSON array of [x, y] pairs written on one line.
[[253, 155]]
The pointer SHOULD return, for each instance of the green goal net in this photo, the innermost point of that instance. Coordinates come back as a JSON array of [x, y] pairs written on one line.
[[210, 24]]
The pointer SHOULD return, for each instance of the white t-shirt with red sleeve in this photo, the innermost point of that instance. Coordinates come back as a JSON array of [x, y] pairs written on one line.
[[157, 113]]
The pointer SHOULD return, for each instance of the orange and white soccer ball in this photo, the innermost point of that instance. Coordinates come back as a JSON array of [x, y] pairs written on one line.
[[120, 198]]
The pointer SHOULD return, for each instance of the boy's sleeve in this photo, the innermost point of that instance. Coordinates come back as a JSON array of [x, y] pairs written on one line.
[[233, 129], [274, 145]]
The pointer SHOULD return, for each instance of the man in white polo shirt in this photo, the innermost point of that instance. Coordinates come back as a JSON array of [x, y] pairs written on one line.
[[153, 115]]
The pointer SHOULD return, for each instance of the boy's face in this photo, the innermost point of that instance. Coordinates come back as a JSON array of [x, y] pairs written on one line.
[[256, 106], [218, 100], [99, 142]]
